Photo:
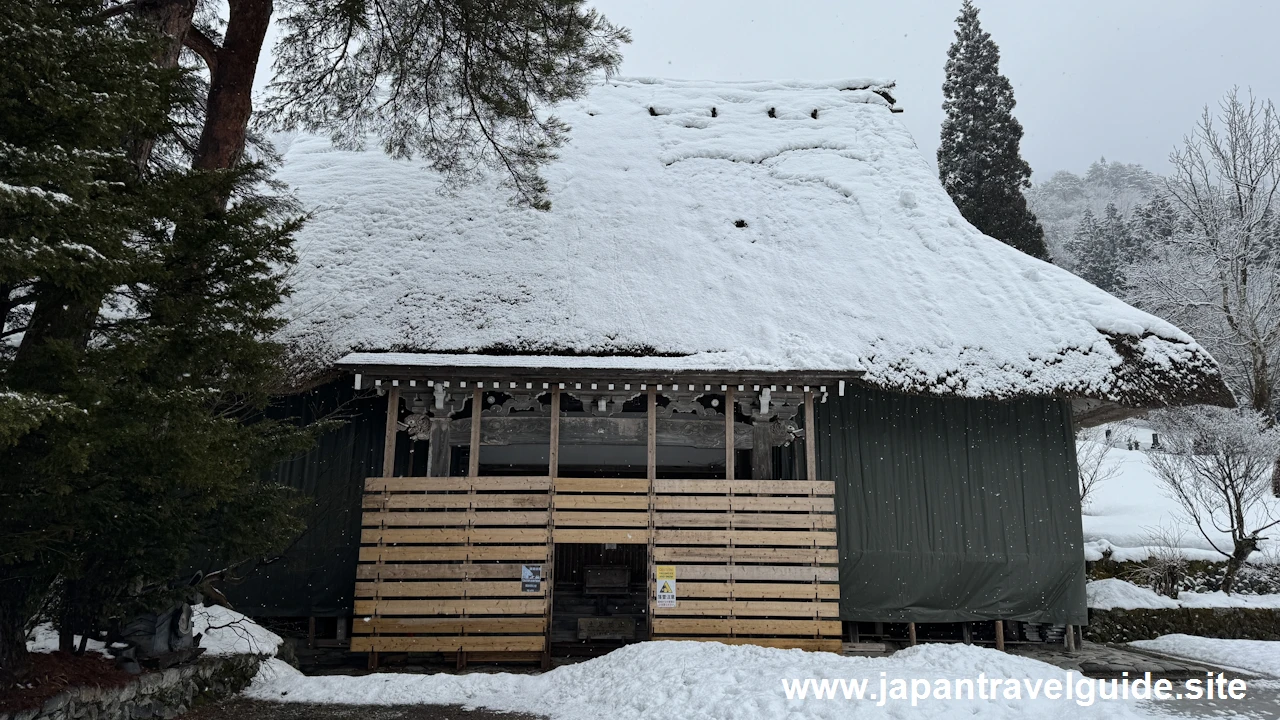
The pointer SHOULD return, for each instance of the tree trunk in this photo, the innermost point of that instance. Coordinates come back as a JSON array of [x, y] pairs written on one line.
[[1243, 549], [54, 342], [171, 19], [14, 598], [230, 103]]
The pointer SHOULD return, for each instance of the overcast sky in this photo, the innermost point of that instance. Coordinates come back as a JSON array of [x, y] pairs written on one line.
[[1123, 79]]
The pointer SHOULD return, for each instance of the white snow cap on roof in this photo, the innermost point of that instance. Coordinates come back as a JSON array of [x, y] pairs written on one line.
[[767, 226]]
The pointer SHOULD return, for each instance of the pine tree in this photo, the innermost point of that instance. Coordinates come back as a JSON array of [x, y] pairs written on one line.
[[979, 160], [133, 444]]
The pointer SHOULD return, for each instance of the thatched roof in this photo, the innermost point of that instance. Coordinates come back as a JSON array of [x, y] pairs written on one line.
[[768, 227]]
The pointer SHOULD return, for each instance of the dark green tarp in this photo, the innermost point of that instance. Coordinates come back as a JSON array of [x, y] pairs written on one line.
[[316, 575], [952, 510]]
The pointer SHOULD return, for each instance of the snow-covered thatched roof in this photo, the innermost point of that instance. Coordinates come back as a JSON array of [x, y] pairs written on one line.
[[769, 226]]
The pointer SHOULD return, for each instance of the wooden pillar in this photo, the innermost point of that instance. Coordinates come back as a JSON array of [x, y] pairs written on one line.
[[810, 439], [1071, 638], [438, 450], [553, 469], [911, 632], [388, 466], [761, 450], [473, 464], [1000, 635], [473, 471], [651, 472], [729, 453], [393, 427]]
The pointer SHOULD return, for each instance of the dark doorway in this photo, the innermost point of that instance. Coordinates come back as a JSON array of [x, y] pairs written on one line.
[[599, 598]]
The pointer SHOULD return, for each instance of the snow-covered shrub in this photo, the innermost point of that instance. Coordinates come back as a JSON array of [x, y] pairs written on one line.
[[1166, 569]]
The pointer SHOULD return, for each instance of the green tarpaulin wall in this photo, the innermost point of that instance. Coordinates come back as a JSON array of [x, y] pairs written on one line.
[[951, 510], [316, 575]]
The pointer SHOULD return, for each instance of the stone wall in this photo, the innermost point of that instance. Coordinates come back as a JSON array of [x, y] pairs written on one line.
[[161, 694], [1115, 626]]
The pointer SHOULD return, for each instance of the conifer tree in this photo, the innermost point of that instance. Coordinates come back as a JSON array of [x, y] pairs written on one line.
[[130, 449], [979, 160]]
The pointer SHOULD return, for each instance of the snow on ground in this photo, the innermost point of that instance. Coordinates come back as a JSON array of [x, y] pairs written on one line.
[[227, 632], [765, 226], [224, 631], [44, 639], [1114, 593], [709, 681], [1126, 509], [1259, 656]]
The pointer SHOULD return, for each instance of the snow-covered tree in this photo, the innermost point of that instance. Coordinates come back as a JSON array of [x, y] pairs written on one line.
[[1216, 463], [979, 160], [1060, 202], [1217, 274]]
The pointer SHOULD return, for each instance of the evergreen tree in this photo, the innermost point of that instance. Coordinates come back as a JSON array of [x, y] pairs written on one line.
[[1095, 259], [130, 450], [979, 160]]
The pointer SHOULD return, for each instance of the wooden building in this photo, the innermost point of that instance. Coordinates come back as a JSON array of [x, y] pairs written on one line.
[[751, 378]]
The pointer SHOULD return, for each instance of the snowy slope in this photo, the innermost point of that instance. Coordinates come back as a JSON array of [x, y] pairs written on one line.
[[1126, 509], [850, 256]]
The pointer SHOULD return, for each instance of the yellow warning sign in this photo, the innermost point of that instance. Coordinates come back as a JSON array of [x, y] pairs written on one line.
[[666, 587]]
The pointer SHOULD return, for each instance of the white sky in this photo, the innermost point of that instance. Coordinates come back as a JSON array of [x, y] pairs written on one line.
[[1123, 79]]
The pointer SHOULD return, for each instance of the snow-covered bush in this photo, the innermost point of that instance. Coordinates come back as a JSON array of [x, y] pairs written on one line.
[[1216, 463]]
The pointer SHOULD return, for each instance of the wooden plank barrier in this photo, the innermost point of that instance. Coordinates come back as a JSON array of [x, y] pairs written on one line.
[[755, 562], [440, 565], [602, 510]]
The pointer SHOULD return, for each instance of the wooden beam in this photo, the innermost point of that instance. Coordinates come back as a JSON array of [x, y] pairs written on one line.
[[548, 573], [706, 433], [438, 448], [473, 466], [810, 439], [729, 445], [911, 633], [1000, 635], [393, 426], [761, 451], [651, 466], [553, 453], [651, 436]]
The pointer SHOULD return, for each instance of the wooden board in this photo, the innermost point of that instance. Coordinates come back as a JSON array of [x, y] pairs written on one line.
[[438, 552], [491, 643], [755, 561]]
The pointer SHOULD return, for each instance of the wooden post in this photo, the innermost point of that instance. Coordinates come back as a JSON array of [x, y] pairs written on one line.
[[553, 470], [1000, 635], [393, 427], [911, 632], [438, 454], [473, 471], [811, 468], [651, 472], [729, 452], [388, 468], [473, 464], [810, 439], [761, 450], [966, 633], [1071, 638]]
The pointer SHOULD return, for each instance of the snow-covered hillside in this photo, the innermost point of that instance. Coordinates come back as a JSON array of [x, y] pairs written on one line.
[[1126, 511]]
